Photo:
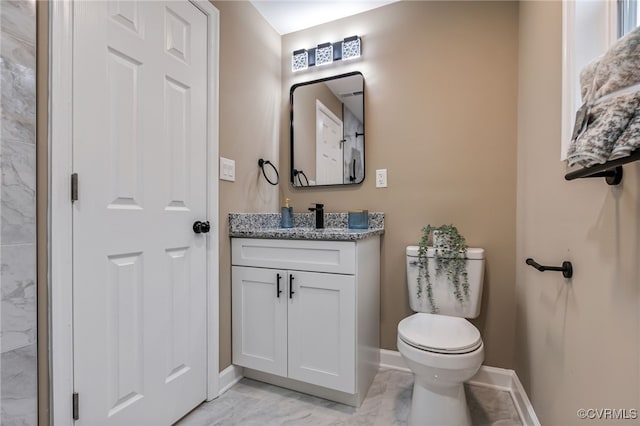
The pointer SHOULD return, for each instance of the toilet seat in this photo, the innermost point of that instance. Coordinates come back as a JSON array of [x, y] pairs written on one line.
[[439, 333]]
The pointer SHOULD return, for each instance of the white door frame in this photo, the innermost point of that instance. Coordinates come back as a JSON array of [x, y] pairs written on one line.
[[60, 220]]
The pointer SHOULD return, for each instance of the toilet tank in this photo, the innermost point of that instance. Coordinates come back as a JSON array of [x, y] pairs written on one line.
[[445, 301]]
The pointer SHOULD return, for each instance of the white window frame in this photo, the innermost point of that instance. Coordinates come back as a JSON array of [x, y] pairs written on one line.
[[588, 29], [628, 16]]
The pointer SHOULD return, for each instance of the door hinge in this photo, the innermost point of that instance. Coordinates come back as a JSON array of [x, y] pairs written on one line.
[[74, 187], [76, 406]]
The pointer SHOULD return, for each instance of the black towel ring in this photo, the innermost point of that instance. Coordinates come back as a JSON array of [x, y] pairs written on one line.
[[261, 164], [298, 173]]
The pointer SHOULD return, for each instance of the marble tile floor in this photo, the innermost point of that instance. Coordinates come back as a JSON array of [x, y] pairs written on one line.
[[252, 403]]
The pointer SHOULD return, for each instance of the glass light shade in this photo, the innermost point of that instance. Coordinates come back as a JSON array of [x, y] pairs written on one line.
[[299, 60], [324, 54], [351, 48]]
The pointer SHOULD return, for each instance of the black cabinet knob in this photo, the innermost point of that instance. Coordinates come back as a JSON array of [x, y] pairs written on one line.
[[201, 227]]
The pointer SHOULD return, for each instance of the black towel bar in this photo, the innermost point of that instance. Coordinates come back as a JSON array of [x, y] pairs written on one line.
[[566, 268], [611, 170]]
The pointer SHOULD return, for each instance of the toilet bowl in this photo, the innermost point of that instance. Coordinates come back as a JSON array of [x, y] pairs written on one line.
[[442, 350], [439, 374]]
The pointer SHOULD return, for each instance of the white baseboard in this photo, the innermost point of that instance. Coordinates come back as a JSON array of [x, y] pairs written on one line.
[[525, 409], [497, 378], [392, 359], [229, 377]]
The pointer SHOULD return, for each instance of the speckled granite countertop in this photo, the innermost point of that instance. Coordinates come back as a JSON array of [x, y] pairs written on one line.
[[267, 225]]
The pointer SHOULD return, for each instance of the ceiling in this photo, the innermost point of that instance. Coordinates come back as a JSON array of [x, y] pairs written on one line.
[[293, 15]]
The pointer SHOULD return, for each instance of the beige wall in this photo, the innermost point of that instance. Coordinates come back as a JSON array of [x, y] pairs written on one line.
[[578, 341], [250, 104], [440, 105]]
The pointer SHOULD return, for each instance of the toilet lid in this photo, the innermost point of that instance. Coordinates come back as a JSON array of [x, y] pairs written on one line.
[[439, 333]]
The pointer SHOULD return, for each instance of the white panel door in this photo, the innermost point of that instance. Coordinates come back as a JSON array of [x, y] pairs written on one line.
[[329, 162], [140, 150], [259, 311], [322, 327]]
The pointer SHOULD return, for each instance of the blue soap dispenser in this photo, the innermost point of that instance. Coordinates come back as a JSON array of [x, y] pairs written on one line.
[[286, 216]]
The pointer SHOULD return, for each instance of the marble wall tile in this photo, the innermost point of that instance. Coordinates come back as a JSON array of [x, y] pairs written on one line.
[[18, 289], [18, 102], [18, 51], [19, 391], [17, 193], [18, 362], [18, 17]]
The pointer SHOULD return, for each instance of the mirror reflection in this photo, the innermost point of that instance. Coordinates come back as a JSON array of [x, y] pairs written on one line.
[[327, 131]]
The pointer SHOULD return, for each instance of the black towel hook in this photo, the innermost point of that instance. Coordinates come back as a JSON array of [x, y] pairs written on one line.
[[566, 268], [261, 164]]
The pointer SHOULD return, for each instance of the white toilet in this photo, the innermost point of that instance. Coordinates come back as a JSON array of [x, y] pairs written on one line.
[[442, 350]]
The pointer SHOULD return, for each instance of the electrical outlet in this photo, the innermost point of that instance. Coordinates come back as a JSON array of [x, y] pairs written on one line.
[[227, 169], [381, 178]]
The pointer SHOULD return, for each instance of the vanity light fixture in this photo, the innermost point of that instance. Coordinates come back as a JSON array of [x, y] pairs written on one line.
[[299, 60], [326, 53], [351, 47]]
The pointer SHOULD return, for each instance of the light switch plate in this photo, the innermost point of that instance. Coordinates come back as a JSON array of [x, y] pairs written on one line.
[[227, 169], [381, 178]]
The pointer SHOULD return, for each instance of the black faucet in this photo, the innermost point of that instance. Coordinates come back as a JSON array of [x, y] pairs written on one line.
[[319, 209]]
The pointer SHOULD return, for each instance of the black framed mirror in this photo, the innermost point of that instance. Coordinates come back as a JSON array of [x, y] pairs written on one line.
[[327, 131]]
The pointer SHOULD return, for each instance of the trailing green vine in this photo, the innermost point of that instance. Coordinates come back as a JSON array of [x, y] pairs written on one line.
[[450, 256]]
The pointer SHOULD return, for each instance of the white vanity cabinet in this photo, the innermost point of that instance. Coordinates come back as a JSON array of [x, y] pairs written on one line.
[[306, 314], [306, 333]]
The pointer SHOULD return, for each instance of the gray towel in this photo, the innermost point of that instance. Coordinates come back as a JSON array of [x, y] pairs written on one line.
[[609, 126], [629, 140]]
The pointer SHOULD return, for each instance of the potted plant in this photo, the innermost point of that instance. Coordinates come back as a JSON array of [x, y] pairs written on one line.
[[450, 256]]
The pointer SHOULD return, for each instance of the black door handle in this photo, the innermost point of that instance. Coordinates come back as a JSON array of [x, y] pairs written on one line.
[[291, 286], [278, 291], [201, 227]]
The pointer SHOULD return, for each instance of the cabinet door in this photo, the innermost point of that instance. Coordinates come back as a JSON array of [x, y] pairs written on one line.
[[259, 314], [322, 329]]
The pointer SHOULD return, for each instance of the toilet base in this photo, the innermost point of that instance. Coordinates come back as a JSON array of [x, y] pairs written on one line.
[[439, 405]]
